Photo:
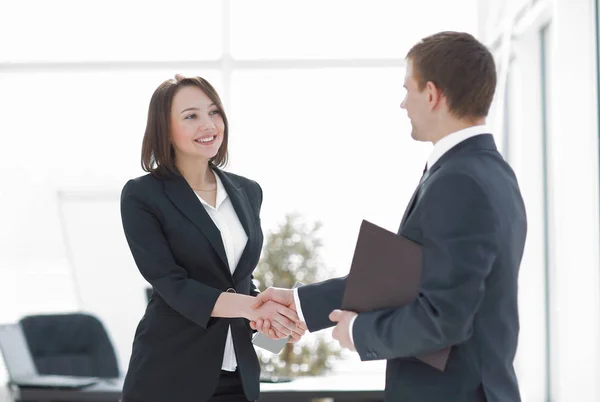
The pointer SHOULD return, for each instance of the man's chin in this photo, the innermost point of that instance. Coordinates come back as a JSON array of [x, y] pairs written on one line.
[[415, 135]]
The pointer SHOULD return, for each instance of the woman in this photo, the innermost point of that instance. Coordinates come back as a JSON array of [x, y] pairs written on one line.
[[194, 232]]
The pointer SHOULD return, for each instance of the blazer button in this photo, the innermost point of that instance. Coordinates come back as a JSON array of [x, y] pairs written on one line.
[[231, 290]]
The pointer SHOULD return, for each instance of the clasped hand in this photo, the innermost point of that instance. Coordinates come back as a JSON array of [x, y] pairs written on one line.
[[275, 315]]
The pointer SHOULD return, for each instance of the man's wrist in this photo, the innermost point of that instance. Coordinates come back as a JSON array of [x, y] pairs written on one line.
[[297, 305], [351, 329]]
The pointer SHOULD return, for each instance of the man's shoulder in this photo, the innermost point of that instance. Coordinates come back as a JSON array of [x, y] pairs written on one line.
[[461, 170], [479, 168]]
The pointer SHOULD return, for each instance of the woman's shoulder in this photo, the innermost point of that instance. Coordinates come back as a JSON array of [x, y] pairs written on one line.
[[242, 180], [251, 187], [143, 184]]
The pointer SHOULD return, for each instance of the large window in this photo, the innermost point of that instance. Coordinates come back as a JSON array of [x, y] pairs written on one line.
[[597, 40], [110, 31], [312, 90], [546, 104], [522, 120]]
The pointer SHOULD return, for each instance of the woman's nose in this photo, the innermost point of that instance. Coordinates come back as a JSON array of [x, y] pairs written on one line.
[[207, 125]]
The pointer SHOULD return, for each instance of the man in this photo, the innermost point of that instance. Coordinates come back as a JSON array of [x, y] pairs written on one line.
[[468, 214]]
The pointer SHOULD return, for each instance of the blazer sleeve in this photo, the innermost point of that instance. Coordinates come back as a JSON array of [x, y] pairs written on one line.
[[154, 259], [459, 230], [318, 300]]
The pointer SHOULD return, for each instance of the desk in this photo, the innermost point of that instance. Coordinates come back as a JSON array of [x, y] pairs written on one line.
[[342, 388]]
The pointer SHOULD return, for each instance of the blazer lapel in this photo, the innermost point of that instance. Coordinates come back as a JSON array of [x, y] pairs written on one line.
[[239, 200], [481, 142], [184, 198], [241, 205], [415, 197], [410, 206]]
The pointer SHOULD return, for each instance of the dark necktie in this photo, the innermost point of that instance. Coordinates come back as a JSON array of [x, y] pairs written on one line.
[[424, 174], [415, 196]]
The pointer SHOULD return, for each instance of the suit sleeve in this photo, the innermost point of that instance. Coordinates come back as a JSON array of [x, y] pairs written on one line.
[[318, 300], [253, 289], [156, 263], [459, 230]]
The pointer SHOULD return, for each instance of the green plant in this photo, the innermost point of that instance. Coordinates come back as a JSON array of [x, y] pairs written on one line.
[[292, 253]]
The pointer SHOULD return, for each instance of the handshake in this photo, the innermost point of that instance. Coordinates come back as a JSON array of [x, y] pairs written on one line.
[[275, 314]]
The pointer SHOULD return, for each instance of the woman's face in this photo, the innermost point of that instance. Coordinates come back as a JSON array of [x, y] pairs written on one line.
[[197, 127]]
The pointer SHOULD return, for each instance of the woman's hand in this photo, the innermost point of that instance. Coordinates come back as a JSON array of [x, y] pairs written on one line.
[[282, 319], [266, 328]]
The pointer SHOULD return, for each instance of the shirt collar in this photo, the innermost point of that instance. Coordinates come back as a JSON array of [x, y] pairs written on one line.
[[453, 139], [221, 193]]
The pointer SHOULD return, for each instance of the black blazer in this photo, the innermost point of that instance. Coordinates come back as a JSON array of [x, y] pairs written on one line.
[[178, 348], [470, 218]]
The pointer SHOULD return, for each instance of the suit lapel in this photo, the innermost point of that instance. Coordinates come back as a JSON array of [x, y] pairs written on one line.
[[184, 198], [241, 205], [410, 206], [239, 200], [478, 142], [415, 197]]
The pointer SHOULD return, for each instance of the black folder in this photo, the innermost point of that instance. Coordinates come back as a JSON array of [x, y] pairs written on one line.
[[386, 273]]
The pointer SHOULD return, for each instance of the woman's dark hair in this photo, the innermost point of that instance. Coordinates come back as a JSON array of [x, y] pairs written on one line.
[[158, 155]]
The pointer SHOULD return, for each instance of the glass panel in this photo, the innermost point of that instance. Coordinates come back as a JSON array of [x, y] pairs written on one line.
[[331, 144], [546, 97], [341, 28], [77, 133], [72, 127], [72, 30]]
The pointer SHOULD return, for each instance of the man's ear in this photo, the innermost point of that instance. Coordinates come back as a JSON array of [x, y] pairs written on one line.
[[434, 95]]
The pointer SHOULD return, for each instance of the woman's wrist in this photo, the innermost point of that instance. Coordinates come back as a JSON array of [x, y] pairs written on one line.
[[233, 305], [245, 306]]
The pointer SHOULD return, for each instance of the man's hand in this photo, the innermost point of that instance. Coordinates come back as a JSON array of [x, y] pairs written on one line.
[[341, 332], [284, 297], [281, 318]]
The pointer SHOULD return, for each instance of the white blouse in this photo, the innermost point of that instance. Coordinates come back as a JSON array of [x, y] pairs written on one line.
[[234, 240]]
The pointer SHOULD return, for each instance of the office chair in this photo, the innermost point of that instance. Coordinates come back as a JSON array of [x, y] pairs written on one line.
[[70, 344]]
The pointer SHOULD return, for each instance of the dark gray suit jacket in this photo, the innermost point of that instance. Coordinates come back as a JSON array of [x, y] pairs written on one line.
[[470, 218], [178, 347]]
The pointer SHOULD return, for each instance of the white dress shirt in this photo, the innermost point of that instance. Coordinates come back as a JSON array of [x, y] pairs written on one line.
[[439, 149], [453, 139], [234, 240]]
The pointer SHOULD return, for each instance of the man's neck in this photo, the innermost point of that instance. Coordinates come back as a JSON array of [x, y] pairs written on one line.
[[452, 126]]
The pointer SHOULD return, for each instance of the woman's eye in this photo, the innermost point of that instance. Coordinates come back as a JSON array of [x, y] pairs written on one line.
[[191, 116], [214, 112]]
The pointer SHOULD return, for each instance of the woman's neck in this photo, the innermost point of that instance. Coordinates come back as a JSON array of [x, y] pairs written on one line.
[[197, 173]]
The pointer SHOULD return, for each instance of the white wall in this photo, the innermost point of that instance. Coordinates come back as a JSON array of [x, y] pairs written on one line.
[[325, 137], [525, 155], [68, 154], [564, 237], [575, 163], [324, 141]]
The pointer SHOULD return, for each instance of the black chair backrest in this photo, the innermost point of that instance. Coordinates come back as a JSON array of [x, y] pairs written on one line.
[[70, 344]]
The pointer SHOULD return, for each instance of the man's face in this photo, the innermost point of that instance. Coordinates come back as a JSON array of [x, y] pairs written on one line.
[[416, 104]]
